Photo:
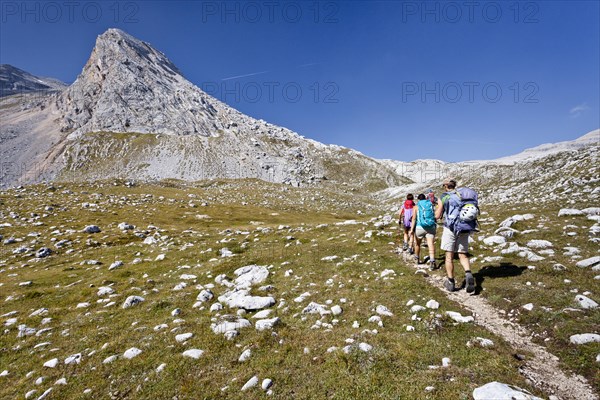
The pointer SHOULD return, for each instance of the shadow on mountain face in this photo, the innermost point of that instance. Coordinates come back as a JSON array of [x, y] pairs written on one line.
[[504, 270]]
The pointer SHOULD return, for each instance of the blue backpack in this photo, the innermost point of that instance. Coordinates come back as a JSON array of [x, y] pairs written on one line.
[[425, 214], [463, 218]]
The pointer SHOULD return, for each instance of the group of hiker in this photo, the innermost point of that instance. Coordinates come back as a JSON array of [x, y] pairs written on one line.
[[458, 207]]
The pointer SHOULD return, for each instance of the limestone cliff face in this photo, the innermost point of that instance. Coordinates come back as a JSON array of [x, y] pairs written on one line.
[[128, 86]]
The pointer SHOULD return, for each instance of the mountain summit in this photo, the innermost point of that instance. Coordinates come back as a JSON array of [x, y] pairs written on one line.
[[128, 86]]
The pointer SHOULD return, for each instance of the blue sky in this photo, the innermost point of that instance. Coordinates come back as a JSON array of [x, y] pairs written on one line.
[[392, 79]]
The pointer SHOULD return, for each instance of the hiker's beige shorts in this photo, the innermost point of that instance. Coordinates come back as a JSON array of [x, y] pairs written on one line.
[[422, 232], [455, 243]]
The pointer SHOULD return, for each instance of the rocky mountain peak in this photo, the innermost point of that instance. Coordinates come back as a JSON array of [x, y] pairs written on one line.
[[115, 48], [128, 86]]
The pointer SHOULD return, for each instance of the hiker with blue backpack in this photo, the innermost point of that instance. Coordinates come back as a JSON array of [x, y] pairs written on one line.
[[424, 226], [460, 209], [405, 220]]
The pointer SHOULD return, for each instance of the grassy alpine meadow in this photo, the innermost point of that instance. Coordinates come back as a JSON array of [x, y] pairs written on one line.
[[321, 246], [541, 294]]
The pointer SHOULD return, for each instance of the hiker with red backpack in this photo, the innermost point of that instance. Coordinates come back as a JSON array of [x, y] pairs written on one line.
[[405, 220], [431, 197], [460, 209], [424, 226]]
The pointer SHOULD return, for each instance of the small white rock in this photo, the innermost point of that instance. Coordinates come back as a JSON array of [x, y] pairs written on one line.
[[365, 347], [51, 363], [480, 341], [251, 383], [264, 324], [105, 290], [115, 265], [261, 314], [528, 306], [132, 352], [73, 359], [266, 384], [183, 337], [160, 327], [193, 353], [245, 356], [132, 301], [585, 302], [588, 262], [109, 359], [434, 305], [383, 310], [497, 390], [336, 310], [416, 308], [459, 318], [45, 394], [584, 338]]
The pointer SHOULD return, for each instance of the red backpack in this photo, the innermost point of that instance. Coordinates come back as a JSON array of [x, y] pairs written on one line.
[[408, 212], [431, 198]]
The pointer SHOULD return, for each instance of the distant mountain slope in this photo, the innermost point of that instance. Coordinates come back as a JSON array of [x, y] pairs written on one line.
[[16, 81], [567, 171], [425, 170], [591, 138]]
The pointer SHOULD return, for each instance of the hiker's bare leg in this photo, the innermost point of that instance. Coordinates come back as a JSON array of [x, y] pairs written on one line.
[[431, 248], [464, 261], [418, 247], [450, 264]]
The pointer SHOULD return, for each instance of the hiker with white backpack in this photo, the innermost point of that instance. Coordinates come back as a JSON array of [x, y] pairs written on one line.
[[424, 226], [405, 221], [460, 209]]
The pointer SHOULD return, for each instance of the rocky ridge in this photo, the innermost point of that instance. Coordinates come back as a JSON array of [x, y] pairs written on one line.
[[568, 170], [16, 81]]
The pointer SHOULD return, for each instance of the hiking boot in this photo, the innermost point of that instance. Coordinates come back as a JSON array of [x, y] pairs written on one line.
[[411, 250], [449, 285], [404, 246], [416, 259], [432, 265], [470, 283]]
